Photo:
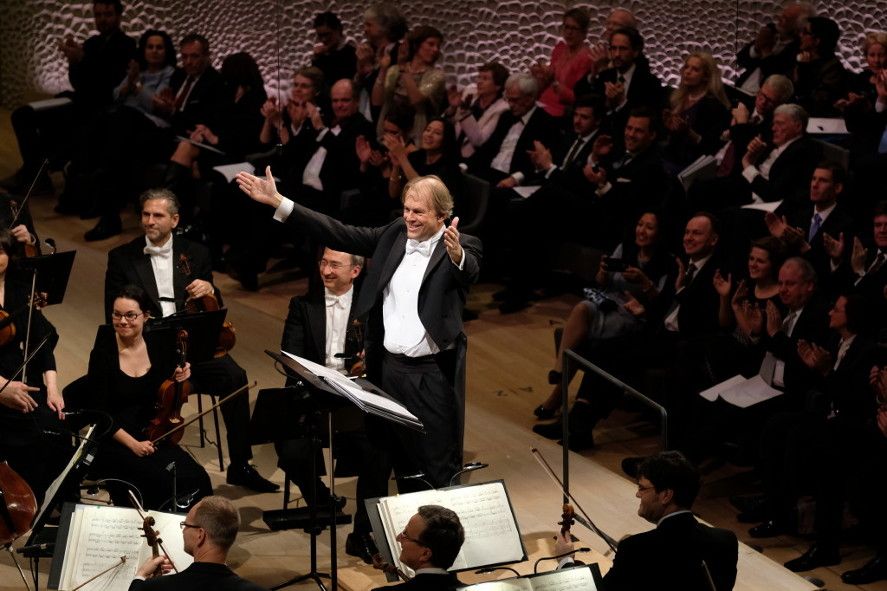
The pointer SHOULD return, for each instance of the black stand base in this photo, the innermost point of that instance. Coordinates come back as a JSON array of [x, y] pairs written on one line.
[[300, 518]]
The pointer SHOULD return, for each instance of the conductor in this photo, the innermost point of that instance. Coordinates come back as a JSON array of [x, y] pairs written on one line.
[[412, 297]]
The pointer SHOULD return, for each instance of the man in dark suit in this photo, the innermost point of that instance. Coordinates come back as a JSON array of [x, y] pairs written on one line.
[[195, 91], [173, 270], [866, 270], [775, 47], [208, 532], [628, 84], [680, 553], [413, 296], [429, 544]]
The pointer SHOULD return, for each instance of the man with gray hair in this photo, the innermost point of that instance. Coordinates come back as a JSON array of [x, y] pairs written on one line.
[[504, 159], [208, 532]]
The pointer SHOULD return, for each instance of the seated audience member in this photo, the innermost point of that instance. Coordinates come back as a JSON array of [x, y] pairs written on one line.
[[437, 155], [807, 447], [628, 83], [680, 553], [208, 532], [429, 545], [628, 182], [504, 159], [866, 268], [475, 111], [377, 167], [816, 230], [306, 90], [414, 80], [697, 114], [618, 18], [625, 301], [383, 26], [819, 77], [126, 369], [94, 69], [774, 48], [334, 55], [570, 61]]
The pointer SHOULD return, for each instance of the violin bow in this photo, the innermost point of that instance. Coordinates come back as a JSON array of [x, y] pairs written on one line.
[[184, 424], [28, 194], [584, 519], [141, 511]]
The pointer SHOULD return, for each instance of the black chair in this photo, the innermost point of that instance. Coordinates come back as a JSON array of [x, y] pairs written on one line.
[[472, 204]]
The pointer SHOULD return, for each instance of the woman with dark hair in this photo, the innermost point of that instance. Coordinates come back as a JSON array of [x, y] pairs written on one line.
[[570, 61], [625, 302], [126, 368], [698, 112], [475, 111], [280, 124], [437, 155], [148, 74], [414, 80], [820, 79], [30, 403]]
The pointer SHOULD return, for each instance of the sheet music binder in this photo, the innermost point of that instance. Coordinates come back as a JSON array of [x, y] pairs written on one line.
[[586, 577], [386, 540]]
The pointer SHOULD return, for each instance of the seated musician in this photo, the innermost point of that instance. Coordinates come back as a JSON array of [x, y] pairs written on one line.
[[27, 405], [126, 368]]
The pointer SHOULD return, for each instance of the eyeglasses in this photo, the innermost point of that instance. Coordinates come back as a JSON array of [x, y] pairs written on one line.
[[334, 265], [185, 524], [403, 535], [130, 316]]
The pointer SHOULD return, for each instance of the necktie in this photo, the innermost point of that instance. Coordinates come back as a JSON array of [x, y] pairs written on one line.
[[690, 274], [814, 227], [620, 78], [571, 155], [726, 165], [423, 248], [623, 161], [876, 264], [158, 250], [788, 322], [186, 88]]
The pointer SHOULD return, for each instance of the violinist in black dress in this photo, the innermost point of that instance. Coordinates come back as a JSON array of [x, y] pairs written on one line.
[[126, 368]]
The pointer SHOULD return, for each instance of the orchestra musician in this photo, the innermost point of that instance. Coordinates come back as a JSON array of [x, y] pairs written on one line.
[[29, 404], [126, 368], [172, 270]]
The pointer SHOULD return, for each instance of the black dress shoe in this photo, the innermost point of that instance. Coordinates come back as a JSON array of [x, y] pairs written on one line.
[[631, 465], [544, 414], [553, 430], [873, 570], [362, 546], [246, 476], [815, 556], [768, 529], [106, 228]]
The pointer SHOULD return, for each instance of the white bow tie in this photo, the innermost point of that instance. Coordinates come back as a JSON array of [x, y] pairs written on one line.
[[334, 301], [159, 250], [423, 248]]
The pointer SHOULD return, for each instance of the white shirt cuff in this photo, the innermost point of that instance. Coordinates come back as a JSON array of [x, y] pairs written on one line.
[[604, 189], [750, 172], [518, 177], [565, 562], [139, 578], [322, 134], [880, 105], [283, 210]]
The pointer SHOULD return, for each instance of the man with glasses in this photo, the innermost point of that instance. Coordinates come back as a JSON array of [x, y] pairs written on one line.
[[429, 544], [173, 270], [208, 533]]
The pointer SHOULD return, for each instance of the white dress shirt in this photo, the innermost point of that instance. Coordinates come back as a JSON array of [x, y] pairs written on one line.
[[311, 174], [161, 263], [502, 161], [338, 309]]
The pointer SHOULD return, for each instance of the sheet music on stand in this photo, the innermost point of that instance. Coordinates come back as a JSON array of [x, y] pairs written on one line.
[[492, 536], [330, 380], [585, 578]]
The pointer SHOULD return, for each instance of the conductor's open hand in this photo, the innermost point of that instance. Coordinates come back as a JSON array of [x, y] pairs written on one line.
[[263, 190], [451, 240]]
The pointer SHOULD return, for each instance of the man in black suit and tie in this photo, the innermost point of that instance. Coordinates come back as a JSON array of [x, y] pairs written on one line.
[[172, 270], [208, 532], [413, 296], [680, 553], [628, 84], [429, 544]]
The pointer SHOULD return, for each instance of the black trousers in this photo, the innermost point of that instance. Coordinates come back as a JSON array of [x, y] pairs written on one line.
[[221, 376]]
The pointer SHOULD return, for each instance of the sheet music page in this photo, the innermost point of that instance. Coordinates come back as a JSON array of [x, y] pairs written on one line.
[[571, 579], [491, 535], [752, 391], [100, 535], [712, 393], [515, 584]]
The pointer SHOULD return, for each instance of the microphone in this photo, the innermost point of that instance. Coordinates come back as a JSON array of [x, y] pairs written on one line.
[[558, 557], [417, 476]]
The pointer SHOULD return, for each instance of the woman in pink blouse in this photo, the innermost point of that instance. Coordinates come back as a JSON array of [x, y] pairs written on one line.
[[570, 61]]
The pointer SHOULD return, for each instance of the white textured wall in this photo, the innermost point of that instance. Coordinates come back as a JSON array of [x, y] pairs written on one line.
[[516, 32]]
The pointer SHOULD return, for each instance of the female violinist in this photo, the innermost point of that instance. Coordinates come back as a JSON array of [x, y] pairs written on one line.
[[30, 405], [126, 368]]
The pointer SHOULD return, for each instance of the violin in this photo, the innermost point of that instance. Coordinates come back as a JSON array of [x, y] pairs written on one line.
[[7, 323], [170, 398], [208, 303], [386, 567], [18, 505]]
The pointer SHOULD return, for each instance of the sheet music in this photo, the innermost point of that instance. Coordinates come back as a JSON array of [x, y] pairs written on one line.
[[491, 535], [99, 536], [229, 171], [571, 579]]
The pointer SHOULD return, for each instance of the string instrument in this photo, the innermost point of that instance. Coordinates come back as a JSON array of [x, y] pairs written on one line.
[[208, 303], [170, 398], [30, 250], [568, 518], [18, 506], [152, 537], [386, 567], [7, 323]]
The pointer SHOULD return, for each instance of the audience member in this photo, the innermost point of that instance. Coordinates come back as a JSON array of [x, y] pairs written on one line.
[[570, 61], [819, 77], [476, 110], [334, 55]]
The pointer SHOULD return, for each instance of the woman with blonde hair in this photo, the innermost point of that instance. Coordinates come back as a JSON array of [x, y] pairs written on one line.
[[698, 111]]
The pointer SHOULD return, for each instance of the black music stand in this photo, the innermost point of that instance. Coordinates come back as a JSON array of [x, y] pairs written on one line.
[[50, 272], [340, 396], [203, 331]]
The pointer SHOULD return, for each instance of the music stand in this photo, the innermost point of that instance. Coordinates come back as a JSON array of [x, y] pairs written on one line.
[[203, 331], [51, 273], [323, 379]]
